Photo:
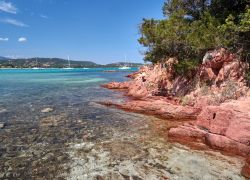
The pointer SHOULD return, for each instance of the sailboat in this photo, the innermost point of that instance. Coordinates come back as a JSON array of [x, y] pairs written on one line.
[[36, 65], [68, 64], [125, 66]]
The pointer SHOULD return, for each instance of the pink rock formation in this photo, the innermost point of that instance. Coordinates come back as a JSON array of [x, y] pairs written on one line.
[[221, 126], [160, 107], [231, 119], [225, 127], [117, 85], [223, 66], [223, 73], [157, 80]]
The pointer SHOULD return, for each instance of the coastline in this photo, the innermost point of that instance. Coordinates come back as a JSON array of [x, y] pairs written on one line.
[[73, 137], [222, 126]]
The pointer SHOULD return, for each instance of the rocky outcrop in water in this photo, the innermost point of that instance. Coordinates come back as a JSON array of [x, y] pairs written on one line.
[[216, 99], [160, 107], [225, 127], [150, 81]]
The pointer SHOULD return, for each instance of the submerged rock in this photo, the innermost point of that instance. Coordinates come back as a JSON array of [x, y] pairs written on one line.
[[51, 121], [3, 110], [158, 161], [2, 125], [47, 110]]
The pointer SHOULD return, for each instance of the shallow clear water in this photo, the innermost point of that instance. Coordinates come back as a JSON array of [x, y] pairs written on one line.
[[78, 138], [28, 90]]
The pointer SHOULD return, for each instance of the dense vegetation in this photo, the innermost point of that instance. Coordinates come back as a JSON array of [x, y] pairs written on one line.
[[192, 27]]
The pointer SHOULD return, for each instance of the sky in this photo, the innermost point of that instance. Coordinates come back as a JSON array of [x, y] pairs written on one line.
[[102, 31]]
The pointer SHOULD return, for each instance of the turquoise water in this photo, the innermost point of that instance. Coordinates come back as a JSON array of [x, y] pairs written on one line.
[[29, 134], [26, 91]]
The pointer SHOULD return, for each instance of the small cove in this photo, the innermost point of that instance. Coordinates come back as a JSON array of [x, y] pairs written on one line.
[[80, 139]]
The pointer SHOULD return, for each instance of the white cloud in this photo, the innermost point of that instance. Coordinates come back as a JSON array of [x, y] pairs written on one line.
[[22, 39], [15, 56], [8, 7], [44, 16], [14, 22], [4, 39]]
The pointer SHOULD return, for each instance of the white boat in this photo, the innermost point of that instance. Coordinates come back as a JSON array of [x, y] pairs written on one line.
[[35, 68], [68, 65], [125, 66]]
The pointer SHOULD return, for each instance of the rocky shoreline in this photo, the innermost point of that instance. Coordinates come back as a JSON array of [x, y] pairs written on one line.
[[213, 104]]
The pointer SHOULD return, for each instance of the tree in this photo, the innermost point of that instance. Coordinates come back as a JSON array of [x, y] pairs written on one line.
[[165, 38], [193, 8], [221, 9], [237, 35], [192, 27], [204, 34]]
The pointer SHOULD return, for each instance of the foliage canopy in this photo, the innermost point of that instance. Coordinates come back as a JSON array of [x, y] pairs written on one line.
[[191, 27]]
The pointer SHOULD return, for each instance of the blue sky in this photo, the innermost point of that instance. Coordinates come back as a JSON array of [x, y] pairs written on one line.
[[97, 30]]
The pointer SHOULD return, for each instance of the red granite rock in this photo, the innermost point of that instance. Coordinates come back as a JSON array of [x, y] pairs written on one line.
[[162, 108], [186, 134], [117, 85], [225, 127], [221, 126], [226, 144], [246, 169], [223, 66]]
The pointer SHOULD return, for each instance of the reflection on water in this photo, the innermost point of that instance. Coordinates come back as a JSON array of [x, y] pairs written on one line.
[[80, 139]]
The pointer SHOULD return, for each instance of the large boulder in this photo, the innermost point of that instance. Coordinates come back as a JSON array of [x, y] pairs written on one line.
[[230, 119], [221, 65], [225, 127], [225, 144]]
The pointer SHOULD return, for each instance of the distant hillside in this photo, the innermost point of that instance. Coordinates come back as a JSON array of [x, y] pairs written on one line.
[[54, 63], [3, 58], [45, 63], [119, 64]]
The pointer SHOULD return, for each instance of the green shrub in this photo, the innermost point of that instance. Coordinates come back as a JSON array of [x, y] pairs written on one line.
[[247, 77], [204, 90], [186, 67], [229, 91], [185, 100]]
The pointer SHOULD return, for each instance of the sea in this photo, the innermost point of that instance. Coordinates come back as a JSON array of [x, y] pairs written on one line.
[[52, 126]]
